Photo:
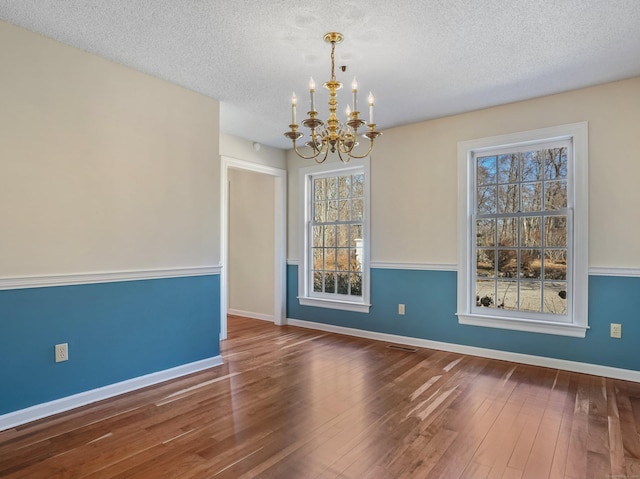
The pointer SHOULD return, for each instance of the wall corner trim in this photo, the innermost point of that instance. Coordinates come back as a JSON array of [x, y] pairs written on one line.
[[39, 411], [573, 366], [23, 282]]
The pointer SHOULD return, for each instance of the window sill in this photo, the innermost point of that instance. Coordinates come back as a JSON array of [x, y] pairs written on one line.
[[334, 304], [532, 326]]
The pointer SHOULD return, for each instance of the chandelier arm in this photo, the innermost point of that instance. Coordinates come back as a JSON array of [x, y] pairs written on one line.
[[326, 153], [347, 149], [314, 140], [344, 149], [312, 157], [366, 154]]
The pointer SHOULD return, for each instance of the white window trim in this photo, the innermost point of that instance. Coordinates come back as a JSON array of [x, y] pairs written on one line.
[[578, 325], [363, 304]]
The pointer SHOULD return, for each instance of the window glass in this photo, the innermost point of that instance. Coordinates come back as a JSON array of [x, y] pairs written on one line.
[[521, 239], [337, 232]]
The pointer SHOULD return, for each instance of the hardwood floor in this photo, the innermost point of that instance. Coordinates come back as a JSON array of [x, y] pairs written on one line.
[[296, 403]]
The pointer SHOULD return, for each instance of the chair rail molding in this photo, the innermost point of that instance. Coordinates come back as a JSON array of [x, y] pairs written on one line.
[[22, 282]]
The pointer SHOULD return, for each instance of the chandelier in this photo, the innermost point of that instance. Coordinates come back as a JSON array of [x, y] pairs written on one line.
[[333, 136]]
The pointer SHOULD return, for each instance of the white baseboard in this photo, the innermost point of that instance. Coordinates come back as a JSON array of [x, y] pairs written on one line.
[[249, 314], [50, 408], [585, 368]]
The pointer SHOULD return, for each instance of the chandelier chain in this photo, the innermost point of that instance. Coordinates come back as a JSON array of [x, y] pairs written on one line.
[[333, 70]]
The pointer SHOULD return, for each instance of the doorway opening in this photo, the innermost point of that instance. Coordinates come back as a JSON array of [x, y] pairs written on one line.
[[279, 237]]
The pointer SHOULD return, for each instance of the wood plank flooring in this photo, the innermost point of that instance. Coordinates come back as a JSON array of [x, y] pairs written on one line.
[[297, 403]]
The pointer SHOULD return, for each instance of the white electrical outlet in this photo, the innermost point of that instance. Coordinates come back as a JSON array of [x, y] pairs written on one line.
[[401, 309], [62, 352], [616, 330]]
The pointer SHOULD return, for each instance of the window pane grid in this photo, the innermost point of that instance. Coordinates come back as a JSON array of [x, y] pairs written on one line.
[[521, 231], [337, 216]]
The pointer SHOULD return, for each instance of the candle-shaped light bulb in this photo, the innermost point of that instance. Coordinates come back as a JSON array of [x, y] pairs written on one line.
[[312, 91], [370, 108], [348, 111], [294, 102], [354, 89]]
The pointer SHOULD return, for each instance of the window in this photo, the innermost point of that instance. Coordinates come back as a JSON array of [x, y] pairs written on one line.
[[523, 254], [335, 272]]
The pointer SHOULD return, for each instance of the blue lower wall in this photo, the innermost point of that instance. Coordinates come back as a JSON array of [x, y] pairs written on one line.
[[430, 299], [119, 331], [115, 331]]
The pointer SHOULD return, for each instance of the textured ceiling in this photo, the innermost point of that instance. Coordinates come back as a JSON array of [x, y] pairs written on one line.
[[422, 59]]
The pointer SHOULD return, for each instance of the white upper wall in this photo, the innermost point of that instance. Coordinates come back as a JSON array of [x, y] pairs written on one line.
[[102, 168], [414, 175]]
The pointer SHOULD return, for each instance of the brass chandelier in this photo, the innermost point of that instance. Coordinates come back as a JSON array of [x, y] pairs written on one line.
[[334, 136]]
